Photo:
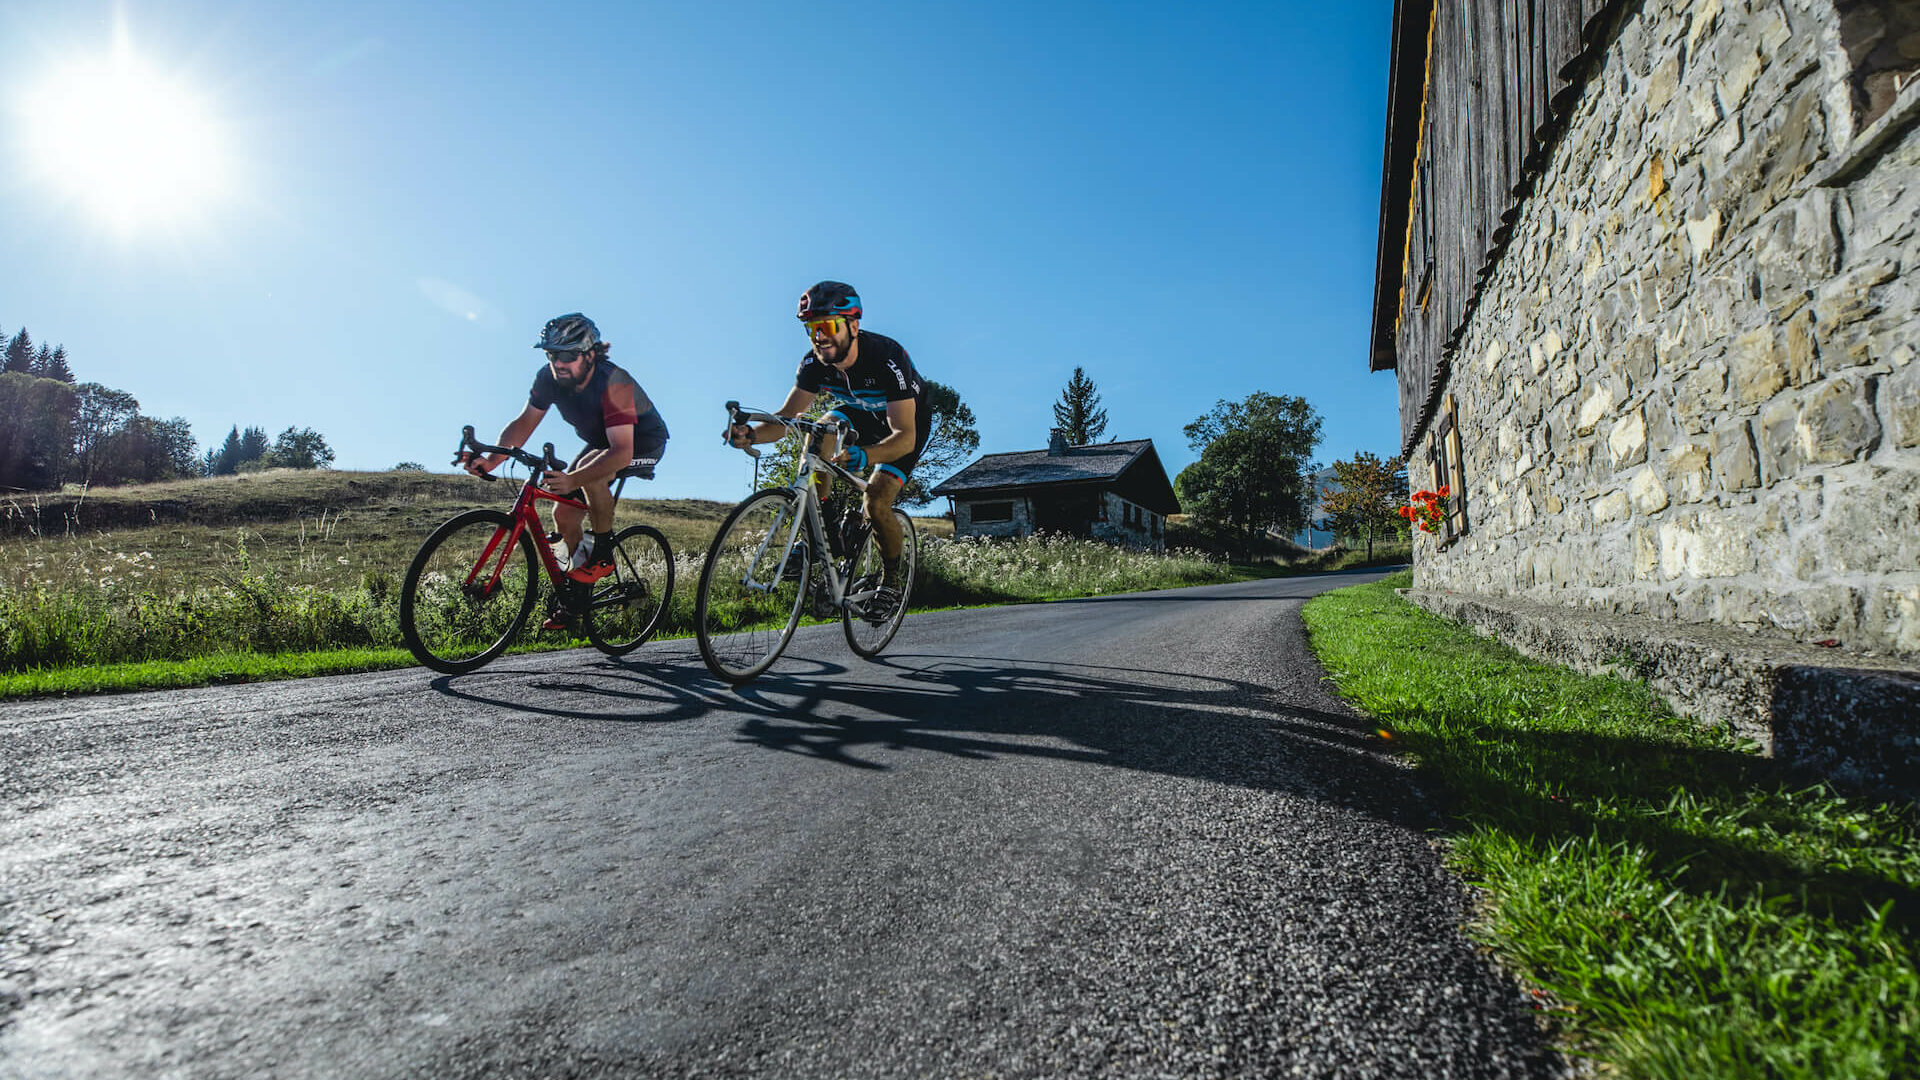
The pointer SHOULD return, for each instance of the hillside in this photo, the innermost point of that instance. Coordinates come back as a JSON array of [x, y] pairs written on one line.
[[276, 495]]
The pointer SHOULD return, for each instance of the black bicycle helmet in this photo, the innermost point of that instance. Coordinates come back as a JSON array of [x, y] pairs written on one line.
[[829, 299], [568, 333]]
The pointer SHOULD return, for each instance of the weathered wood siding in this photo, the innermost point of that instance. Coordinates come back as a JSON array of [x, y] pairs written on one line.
[[1480, 91]]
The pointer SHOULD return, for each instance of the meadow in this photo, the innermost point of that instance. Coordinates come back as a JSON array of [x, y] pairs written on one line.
[[299, 562]]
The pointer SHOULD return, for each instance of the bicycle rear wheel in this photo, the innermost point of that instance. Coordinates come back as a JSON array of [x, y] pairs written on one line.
[[467, 592], [868, 636], [752, 587], [627, 607]]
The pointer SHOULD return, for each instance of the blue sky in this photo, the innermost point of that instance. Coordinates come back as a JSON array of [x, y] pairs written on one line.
[[1179, 198]]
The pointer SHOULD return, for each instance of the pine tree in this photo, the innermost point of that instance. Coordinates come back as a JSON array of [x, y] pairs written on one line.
[[20, 353], [1078, 414], [56, 366], [253, 445], [226, 460]]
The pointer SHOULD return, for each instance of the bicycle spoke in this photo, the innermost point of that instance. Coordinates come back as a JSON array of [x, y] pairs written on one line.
[[751, 588], [869, 631], [467, 592], [627, 607]]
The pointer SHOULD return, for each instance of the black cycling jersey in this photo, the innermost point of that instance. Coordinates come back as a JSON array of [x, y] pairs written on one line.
[[882, 372], [609, 399]]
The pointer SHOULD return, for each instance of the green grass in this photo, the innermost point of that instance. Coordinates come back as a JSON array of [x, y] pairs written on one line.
[[1686, 909]]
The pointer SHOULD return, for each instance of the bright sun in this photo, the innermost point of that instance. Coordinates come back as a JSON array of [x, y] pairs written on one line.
[[132, 146]]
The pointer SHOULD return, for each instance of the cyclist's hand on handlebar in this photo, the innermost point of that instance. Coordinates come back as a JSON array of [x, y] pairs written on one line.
[[738, 436], [477, 465], [560, 483]]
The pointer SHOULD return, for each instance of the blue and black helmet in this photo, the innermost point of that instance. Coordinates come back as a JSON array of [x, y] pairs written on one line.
[[568, 333], [829, 299]]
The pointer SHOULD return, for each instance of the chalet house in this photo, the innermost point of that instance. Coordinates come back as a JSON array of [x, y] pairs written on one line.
[[1647, 278], [1115, 491]]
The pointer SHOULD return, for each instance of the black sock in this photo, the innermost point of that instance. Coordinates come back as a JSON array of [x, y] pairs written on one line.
[[602, 547]]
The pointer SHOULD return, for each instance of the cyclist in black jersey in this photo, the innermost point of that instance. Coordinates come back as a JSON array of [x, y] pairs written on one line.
[[872, 385], [610, 413]]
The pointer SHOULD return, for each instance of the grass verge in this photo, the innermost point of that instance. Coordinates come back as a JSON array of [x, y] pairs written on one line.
[[1686, 909]]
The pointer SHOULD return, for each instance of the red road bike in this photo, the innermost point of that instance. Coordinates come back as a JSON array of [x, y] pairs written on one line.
[[471, 587]]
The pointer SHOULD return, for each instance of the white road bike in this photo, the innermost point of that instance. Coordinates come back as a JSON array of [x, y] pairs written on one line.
[[762, 566]]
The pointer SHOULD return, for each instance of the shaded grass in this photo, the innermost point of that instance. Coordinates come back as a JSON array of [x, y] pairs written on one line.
[[1688, 909]]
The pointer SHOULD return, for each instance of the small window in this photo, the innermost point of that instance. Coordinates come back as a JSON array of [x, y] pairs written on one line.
[[989, 512], [1443, 454]]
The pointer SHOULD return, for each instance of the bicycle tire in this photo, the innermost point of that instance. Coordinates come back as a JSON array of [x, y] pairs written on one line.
[[447, 624], [748, 605], [865, 638], [627, 607]]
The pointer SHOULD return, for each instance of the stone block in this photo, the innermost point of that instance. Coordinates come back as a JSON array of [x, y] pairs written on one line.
[[1802, 353], [1610, 507], [1491, 360], [1873, 526], [1595, 408], [1837, 423], [1755, 366], [1639, 359], [1779, 438], [1743, 70], [1648, 494], [1627, 440], [1702, 232], [1688, 469], [1900, 396], [1898, 618], [1735, 461], [1646, 553], [1703, 549]]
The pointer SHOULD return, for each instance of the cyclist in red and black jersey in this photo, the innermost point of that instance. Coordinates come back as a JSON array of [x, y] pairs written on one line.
[[873, 386], [609, 411]]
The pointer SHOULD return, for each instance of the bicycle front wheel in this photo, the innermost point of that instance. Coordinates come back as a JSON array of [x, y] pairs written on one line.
[[627, 607], [752, 588], [868, 633], [467, 592]]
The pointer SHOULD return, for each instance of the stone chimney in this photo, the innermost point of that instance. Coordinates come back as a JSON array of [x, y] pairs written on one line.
[[1056, 443]]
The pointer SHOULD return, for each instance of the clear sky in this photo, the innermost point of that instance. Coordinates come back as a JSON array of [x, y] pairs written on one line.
[[355, 216]]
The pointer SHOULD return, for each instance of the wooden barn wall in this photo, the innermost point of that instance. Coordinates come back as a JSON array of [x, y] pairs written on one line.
[[1501, 76]]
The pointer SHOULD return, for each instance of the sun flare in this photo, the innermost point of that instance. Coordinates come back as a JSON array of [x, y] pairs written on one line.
[[132, 145]]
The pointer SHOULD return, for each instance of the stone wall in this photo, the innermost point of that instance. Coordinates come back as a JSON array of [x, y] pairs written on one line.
[[1151, 533], [1689, 390], [964, 525]]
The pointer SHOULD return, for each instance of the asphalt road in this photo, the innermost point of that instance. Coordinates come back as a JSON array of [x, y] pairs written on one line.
[[1131, 836]]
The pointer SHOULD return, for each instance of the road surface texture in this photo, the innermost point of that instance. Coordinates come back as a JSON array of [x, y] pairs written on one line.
[[1131, 836]]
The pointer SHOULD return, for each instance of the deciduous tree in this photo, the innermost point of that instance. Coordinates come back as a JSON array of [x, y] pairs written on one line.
[[1366, 503], [299, 448], [1254, 456]]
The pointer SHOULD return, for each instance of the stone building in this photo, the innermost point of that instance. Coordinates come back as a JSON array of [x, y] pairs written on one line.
[[1115, 491], [1646, 276]]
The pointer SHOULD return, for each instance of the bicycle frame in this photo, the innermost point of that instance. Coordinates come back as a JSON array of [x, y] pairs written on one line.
[[803, 486], [526, 518]]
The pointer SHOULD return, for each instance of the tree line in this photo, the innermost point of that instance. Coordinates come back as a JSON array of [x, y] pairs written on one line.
[[55, 430]]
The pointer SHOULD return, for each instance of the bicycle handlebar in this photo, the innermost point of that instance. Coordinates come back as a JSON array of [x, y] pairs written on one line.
[[545, 463], [742, 416]]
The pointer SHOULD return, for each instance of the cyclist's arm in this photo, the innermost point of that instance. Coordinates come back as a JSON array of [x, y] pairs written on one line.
[[798, 401], [899, 443], [514, 434], [597, 466]]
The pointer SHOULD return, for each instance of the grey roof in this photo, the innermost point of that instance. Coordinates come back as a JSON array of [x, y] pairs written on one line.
[[1025, 468]]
